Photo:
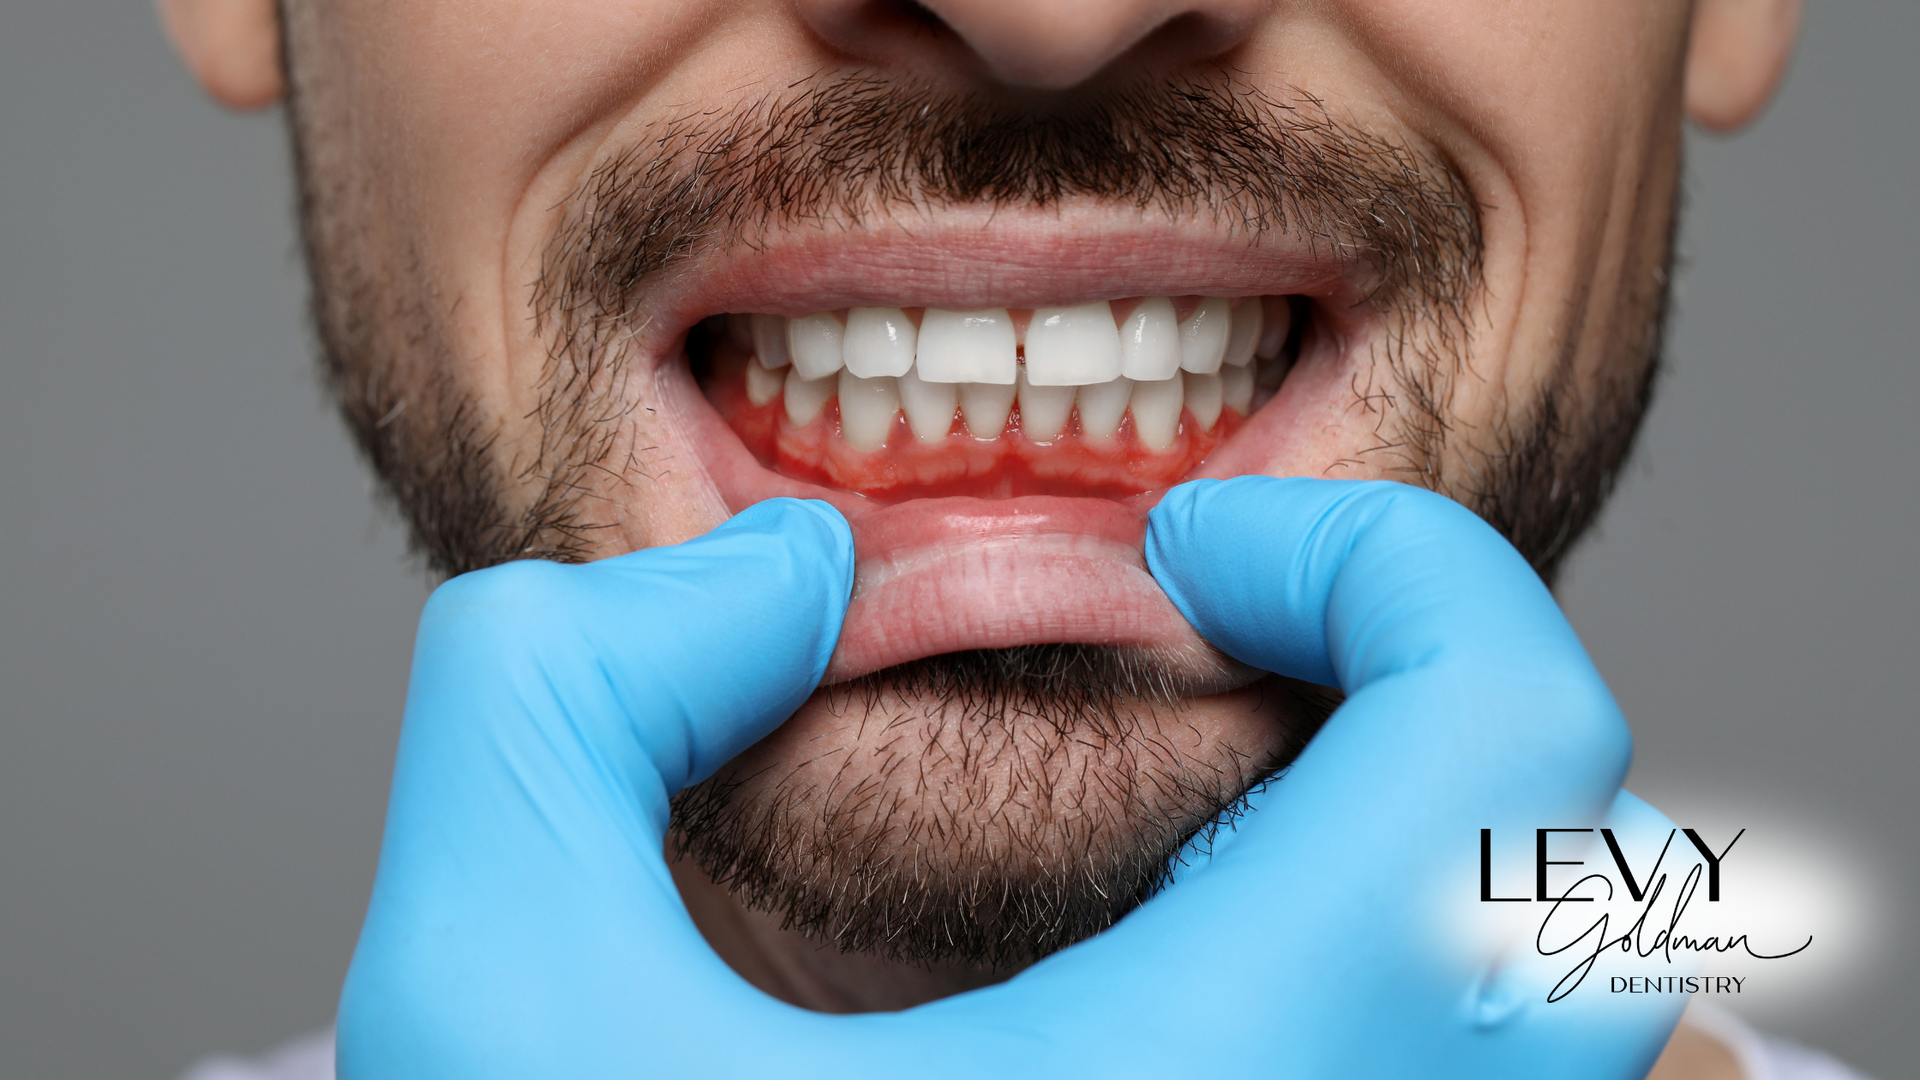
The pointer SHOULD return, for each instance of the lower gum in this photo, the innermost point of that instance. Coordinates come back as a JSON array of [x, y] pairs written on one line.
[[1009, 466]]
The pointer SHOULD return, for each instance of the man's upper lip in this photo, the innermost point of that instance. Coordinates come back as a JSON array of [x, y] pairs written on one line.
[[968, 259]]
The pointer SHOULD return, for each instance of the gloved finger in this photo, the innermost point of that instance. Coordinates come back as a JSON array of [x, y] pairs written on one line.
[[1464, 680], [586, 696], [708, 645], [552, 712], [1470, 704], [1396, 595], [1456, 660], [1342, 581], [683, 654]]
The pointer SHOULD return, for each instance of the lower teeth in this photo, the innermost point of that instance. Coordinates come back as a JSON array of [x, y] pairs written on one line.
[[1102, 405], [868, 407]]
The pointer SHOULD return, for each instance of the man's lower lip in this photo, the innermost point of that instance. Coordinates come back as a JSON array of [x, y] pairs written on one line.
[[942, 575]]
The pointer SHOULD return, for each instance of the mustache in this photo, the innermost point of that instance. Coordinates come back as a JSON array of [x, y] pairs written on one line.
[[851, 148]]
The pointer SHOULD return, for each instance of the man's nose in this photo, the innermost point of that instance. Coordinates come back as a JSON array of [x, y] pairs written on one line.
[[1043, 44]]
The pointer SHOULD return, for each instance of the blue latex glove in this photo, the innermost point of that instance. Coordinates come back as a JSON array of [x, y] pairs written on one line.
[[523, 923]]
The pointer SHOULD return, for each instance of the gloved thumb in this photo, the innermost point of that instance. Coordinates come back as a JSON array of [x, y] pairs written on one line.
[[695, 651]]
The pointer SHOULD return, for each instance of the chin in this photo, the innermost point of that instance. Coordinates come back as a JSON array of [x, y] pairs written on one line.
[[985, 808]]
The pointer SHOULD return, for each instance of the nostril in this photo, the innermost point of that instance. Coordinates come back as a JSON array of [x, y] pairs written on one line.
[[879, 31]]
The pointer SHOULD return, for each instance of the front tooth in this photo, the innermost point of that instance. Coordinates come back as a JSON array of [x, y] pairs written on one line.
[[929, 406], [815, 344], [1102, 405], [806, 397], [1205, 394], [1156, 411], [1075, 346], [1203, 336], [966, 346], [770, 341], [1150, 341], [879, 341], [1044, 409], [867, 407], [763, 385], [985, 406], [1236, 389], [1245, 334], [1277, 322]]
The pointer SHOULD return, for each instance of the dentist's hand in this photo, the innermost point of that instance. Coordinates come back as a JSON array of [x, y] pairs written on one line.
[[523, 923]]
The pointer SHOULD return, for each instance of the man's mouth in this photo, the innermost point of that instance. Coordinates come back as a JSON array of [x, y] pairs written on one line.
[[1107, 399], [997, 463]]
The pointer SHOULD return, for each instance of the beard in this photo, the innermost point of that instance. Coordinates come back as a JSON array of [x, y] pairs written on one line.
[[993, 806], [1014, 801]]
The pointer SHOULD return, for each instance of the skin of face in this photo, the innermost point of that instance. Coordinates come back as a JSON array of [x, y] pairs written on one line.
[[464, 127]]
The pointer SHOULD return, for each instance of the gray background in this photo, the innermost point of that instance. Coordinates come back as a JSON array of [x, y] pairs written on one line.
[[205, 622]]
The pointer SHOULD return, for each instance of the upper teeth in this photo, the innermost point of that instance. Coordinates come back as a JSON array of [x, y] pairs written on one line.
[[1076, 346], [880, 341], [967, 347], [878, 363]]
